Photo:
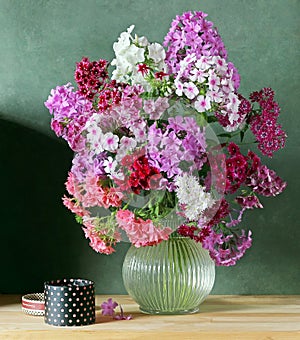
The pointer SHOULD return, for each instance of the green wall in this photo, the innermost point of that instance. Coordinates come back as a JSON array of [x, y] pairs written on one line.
[[40, 42]]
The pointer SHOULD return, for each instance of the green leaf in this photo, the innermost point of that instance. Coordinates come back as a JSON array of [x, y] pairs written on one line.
[[242, 134], [225, 135], [212, 119], [201, 119], [78, 219]]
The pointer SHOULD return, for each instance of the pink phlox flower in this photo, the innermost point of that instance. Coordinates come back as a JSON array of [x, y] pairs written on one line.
[[70, 113], [141, 232], [109, 165], [112, 197], [97, 235], [192, 33], [249, 202], [182, 139], [233, 105], [190, 90], [108, 308], [202, 104], [122, 316], [221, 64], [92, 191], [75, 206], [266, 182], [72, 184], [225, 250], [198, 75], [213, 82], [179, 87], [110, 141], [156, 108]]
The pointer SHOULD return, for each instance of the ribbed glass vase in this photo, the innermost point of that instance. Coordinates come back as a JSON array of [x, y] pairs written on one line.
[[173, 277]]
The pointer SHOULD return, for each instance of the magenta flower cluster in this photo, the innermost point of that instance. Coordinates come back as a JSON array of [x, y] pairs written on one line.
[[90, 76], [70, 112], [263, 124], [266, 182]]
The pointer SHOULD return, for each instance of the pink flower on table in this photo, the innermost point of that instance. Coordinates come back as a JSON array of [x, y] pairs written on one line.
[[108, 308], [122, 316]]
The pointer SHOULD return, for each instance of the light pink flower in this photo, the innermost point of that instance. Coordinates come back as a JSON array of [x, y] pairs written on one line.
[[213, 82], [141, 233], [190, 90], [179, 87], [75, 206], [110, 141], [202, 104], [155, 109]]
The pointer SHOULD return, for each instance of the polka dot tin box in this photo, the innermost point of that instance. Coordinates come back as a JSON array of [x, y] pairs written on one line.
[[69, 302]]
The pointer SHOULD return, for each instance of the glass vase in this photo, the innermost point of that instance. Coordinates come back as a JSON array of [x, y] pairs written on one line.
[[173, 277]]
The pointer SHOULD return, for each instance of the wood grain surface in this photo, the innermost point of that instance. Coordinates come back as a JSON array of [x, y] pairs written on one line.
[[220, 317]]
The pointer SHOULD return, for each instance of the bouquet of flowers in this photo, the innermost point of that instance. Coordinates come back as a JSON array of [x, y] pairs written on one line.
[[157, 135]]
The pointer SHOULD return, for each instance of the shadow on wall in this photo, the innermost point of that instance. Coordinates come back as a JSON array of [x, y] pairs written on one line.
[[40, 239]]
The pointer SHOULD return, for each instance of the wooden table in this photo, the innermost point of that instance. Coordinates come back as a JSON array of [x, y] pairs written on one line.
[[220, 317]]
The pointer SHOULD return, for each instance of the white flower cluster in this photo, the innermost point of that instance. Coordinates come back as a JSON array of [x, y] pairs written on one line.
[[131, 52], [208, 81], [192, 197]]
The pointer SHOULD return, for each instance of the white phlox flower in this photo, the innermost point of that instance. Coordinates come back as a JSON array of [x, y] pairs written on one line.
[[192, 195], [124, 41], [156, 52], [110, 141], [202, 103], [190, 90]]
